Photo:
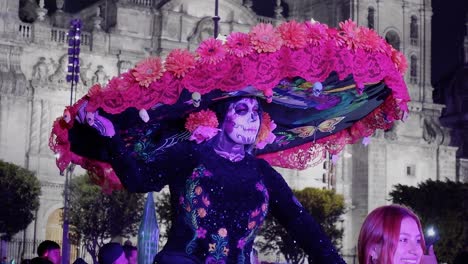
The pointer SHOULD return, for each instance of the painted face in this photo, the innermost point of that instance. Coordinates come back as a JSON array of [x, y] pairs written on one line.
[[409, 248], [242, 121]]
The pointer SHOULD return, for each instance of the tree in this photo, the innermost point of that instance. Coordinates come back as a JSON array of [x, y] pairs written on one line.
[[95, 216], [444, 205], [164, 213], [325, 205], [19, 198]]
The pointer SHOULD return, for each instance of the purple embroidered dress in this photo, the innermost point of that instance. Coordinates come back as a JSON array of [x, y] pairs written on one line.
[[219, 205]]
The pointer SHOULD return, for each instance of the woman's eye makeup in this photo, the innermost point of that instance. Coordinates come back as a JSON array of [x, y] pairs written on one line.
[[241, 109]]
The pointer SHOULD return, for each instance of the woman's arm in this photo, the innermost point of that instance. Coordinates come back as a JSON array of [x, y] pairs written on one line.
[[136, 173]]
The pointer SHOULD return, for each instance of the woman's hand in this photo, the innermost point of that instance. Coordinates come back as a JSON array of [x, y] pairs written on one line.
[[93, 119], [430, 258]]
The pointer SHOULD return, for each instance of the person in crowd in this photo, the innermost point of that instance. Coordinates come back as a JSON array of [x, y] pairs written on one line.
[[393, 234], [131, 253], [112, 253], [48, 250]]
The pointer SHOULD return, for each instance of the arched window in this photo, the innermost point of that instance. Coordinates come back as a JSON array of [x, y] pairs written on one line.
[[370, 17], [414, 30], [393, 39], [414, 69]]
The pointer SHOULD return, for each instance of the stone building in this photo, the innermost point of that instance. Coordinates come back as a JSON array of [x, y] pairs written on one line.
[[118, 33]]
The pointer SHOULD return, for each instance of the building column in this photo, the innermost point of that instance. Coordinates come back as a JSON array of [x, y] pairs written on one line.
[[425, 51]]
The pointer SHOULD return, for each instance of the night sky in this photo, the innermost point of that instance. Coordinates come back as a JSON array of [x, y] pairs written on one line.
[[448, 30]]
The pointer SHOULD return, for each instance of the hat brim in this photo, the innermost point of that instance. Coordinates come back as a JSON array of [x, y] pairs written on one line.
[[302, 118], [363, 90]]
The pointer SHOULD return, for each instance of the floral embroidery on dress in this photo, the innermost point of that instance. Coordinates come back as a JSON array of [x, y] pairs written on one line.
[[219, 249], [143, 147], [195, 203], [256, 218]]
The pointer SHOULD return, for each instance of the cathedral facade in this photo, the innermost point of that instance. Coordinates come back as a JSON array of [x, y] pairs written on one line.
[[119, 33]]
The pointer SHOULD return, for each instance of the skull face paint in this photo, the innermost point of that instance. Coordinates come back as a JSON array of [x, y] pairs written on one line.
[[242, 121]]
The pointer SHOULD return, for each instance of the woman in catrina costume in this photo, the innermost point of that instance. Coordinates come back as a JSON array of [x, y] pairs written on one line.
[[211, 124]]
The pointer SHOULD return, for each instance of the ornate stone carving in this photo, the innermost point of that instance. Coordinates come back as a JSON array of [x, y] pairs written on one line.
[[124, 66], [6, 76], [203, 30], [59, 4], [40, 76], [8, 80], [86, 73], [432, 131], [27, 11], [35, 127], [97, 20], [45, 128], [391, 134], [100, 76], [278, 10], [60, 70], [21, 86], [41, 11]]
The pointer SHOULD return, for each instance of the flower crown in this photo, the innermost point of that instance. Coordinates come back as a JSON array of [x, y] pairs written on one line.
[[258, 58], [204, 125], [264, 38]]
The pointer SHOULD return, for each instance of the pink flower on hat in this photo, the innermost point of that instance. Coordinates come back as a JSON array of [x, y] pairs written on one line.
[[203, 125], [265, 38], [211, 51], [148, 71], [370, 40], [238, 44], [294, 34], [265, 135], [349, 34], [179, 62], [201, 118], [316, 32]]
